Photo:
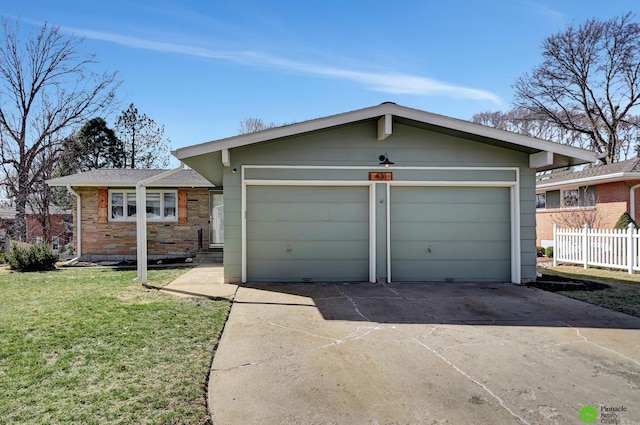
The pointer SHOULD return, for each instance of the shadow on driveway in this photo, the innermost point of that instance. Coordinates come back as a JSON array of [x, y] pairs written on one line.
[[496, 304]]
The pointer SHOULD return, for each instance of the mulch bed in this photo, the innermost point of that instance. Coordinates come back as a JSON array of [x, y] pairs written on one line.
[[558, 283]]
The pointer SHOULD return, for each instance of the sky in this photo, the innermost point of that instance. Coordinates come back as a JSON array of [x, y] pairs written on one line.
[[200, 67]]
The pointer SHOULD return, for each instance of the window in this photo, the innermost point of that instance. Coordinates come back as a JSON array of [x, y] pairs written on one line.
[[160, 205], [570, 198], [584, 196], [541, 200]]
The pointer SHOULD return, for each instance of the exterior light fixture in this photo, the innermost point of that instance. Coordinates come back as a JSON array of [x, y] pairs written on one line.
[[384, 160]]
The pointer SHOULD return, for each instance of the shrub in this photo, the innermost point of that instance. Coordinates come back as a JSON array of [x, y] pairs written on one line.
[[540, 251], [549, 251], [35, 258], [624, 221]]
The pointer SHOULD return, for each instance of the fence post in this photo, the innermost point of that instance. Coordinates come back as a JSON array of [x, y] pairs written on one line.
[[631, 255], [585, 245], [555, 244]]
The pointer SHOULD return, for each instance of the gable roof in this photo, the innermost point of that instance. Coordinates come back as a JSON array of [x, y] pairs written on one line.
[[128, 178], [618, 171], [563, 155]]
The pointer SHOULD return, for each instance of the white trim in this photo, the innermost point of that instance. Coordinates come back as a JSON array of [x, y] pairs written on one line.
[[632, 201], [323, 183], [388, 232], [243, 228], [514, 205], [385, 126], [130, 219], [573, 155], [376, 168], [226, 158], [608, 178], [372, 233]]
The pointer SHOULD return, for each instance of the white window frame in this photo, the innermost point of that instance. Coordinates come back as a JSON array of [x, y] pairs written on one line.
[[161, 193]]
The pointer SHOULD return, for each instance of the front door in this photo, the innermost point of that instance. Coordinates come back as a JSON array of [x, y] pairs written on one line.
[[216, 220]]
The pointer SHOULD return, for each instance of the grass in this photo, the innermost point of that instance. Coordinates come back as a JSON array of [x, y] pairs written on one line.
[[623, 294], [87, 345]]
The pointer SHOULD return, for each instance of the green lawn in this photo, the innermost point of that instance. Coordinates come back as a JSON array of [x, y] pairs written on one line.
[[622, 295], [89, 346]]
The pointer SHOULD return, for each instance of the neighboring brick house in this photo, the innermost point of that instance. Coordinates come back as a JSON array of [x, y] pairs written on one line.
[[178, 213], [602, 193], [59, 222]]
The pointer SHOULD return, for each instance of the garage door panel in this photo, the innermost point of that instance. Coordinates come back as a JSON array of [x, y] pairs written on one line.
[[297, 233], [450, 233], [306, 194], [447, 250], [319, 250], [308, 212], [432, 232], [281, 231], [309, 271], [450, 213], [448, 195], [454, 270]]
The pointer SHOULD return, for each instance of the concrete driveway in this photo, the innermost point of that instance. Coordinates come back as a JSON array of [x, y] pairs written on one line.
[[422, 354]]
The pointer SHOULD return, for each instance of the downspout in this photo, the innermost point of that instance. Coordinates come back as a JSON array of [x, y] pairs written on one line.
[[141, 221], [632, 201], [78, 225]]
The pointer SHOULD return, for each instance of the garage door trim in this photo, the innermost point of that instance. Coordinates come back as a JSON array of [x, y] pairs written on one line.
[[512, 184], [323, 183]]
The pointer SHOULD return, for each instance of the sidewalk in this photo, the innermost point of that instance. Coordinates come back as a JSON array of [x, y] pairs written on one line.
[[205, 280]]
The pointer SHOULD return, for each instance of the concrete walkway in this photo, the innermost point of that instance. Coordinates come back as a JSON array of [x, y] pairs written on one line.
[[204, 280]]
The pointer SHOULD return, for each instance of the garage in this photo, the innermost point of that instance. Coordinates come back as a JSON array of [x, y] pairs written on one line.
[[450, 234], [307, 233]]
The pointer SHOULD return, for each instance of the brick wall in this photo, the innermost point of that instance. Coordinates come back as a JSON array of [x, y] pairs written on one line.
[[612, 202], [117, 240]]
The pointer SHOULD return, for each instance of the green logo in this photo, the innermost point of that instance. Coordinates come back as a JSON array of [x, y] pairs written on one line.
[[588, 414]]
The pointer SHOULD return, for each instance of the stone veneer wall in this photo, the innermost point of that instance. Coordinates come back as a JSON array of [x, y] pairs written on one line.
[[116, 241]]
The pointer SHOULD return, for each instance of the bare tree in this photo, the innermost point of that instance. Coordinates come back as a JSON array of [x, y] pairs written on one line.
[[144, 142], [46, 88], [588, 82], [252, 124]]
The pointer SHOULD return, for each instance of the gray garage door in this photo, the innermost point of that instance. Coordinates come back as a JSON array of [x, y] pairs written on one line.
[[450, 234], [301, 234]]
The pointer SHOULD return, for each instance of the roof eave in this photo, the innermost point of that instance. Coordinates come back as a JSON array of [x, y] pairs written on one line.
[[608, 178], [574, 156]]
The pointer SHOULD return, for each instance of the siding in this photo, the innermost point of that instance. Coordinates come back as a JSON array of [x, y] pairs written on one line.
[[357, 145]]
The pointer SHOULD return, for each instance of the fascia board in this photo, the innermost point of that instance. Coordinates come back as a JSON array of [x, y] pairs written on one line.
[[376, 112], [609, 178], [131, 183]]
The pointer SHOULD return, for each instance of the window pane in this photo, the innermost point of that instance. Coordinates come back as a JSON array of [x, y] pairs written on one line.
[[131, 205], [170, 206], [553, 199], [587, 196], [117, 206], [541, 200], [153, 205], [570, 198]]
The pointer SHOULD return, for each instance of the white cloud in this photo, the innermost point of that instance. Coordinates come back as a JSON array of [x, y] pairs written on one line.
[[386, 82]]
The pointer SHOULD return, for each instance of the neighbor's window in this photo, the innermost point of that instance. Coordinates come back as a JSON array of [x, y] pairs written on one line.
[[541, 200], [159, 205], [570, 198], [584, 196]]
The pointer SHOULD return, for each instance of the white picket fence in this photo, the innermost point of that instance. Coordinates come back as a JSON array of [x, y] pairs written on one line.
[[612, 248]]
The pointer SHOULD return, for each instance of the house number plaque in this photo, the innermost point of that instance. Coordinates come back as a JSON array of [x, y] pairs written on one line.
[[381, 175]]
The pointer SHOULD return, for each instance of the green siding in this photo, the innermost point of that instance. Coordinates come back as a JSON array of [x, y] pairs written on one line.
[[356, 145]]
